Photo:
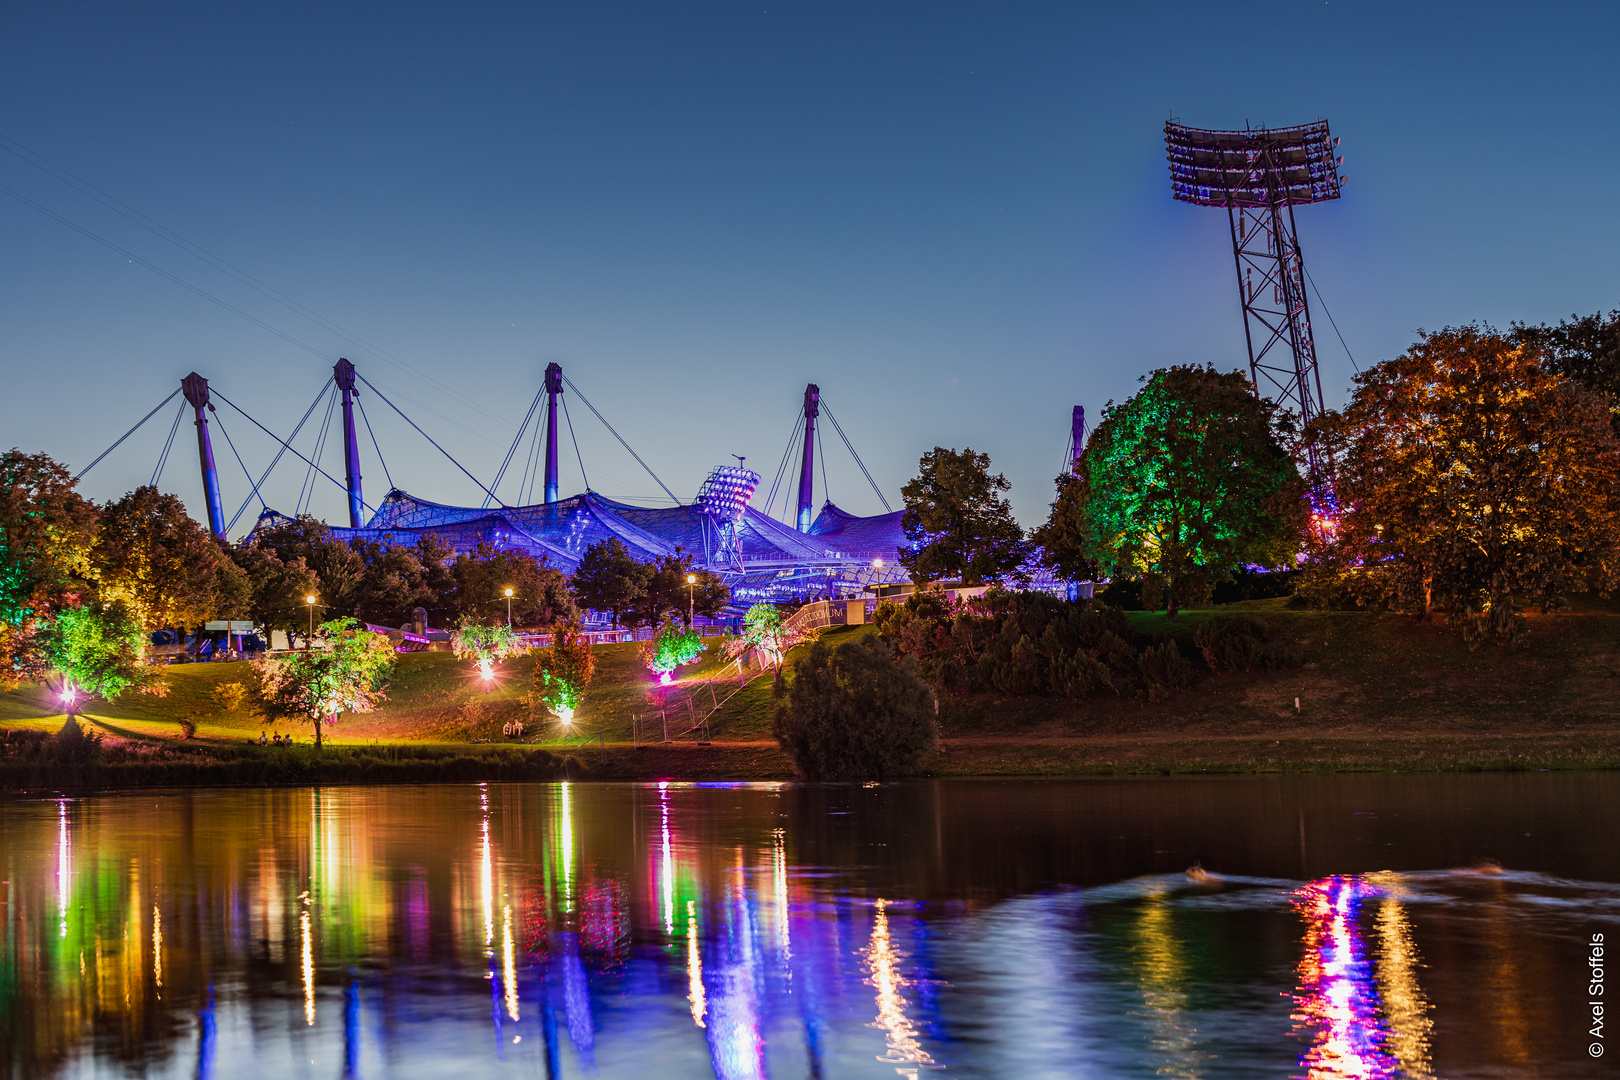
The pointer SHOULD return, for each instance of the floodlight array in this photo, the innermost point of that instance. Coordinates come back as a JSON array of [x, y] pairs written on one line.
[[1262, 167], [726, 492]]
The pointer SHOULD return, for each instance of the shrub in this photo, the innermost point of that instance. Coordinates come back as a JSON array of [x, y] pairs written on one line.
[[229, 696], [854, 711], [1243, 643], [188, 729], [1164, 669]]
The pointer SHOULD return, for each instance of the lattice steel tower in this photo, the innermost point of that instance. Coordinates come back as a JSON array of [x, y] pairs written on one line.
[[1259, 176]]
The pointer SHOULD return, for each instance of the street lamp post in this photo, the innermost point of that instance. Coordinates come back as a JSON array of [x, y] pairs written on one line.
[[309, 602], [877, 575], [509, 606], [691, 602]]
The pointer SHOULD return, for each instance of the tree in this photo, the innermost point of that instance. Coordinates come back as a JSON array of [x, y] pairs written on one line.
[[46, 532], [1472, 474], [562, 673], [1584, 349], [668, 593], [853, 711], [319, 685], [673, 645], [958, 525], [394, 583], [610, 579], [763, 629], [540, 594], [278, 588], [338, 569], [486, 644], [167, 569], [96, 650], [1188, 478]]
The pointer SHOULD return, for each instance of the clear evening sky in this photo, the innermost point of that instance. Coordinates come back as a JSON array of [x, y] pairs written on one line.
[[955, 218]]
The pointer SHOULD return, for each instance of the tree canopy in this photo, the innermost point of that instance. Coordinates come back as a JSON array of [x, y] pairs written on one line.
[[1187, 478], [161, 564], [318, 685], [610, 579], [540, 595], [1471, 473], [563, 671], [46, 533], [1584, 349], [666, 593], [852, 711], [958, 522], [97, 650]]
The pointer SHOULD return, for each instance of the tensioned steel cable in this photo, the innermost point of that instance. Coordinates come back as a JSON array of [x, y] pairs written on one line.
[[380, 459], [516, 439], [163, 458], [567, 382], [531, 466], [338, 483], [793, 437], [220, 420], [122, 437], [322, 392], [1329, 314], [163, 232], [429, 438], [320, 449], [577, 454], [887, 508]]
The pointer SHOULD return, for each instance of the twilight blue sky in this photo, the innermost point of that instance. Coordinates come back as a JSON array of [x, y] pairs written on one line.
[[956, 218]]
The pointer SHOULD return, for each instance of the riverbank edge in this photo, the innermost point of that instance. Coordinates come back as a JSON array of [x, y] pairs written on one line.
[[223, 765]]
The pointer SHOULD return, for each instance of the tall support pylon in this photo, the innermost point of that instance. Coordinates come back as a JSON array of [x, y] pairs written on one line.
[[807, 466], [343, 375], [195, 388], [1258, 176], [554, 389]]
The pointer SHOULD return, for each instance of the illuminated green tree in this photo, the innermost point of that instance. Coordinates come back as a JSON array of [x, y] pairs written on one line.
[[485, 644], [1470, 475], [96, 650], [319, 685], [959, 523], [562, 672], [763, 629], [46, 531], [673, 645], [1186, 479]]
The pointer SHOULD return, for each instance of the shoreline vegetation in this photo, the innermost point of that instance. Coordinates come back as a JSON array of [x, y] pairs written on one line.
[[1375, 692]]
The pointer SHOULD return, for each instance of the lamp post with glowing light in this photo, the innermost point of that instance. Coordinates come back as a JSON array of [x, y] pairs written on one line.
[[691, 601], [309, 601], [877, 575], [508, 605]]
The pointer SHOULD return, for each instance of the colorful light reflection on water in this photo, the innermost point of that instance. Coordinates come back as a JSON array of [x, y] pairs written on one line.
[[732, 931]]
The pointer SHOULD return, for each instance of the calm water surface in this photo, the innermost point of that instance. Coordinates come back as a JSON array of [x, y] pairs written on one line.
[[930, 929]]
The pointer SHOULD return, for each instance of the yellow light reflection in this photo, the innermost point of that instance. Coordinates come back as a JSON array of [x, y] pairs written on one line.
[[157, 948], [1405, 1006], [898, 1030], [568, 846], [779, 885], [508, 964], [694, 968], [486, 880], [308, 950], [1162, 978], [63, 865]]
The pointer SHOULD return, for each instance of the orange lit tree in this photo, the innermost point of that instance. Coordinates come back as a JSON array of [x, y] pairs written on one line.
[[1472, 474]]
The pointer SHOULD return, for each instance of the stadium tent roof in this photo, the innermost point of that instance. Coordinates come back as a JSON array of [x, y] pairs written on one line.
[[563, 530]]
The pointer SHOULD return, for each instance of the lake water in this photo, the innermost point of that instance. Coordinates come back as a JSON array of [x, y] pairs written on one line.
[[1352, 926]]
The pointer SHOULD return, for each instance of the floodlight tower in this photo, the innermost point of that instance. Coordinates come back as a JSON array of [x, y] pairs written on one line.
[[1259, 175]]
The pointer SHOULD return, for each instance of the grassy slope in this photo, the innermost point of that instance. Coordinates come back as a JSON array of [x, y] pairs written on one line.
[[1376, 691]]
